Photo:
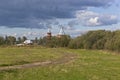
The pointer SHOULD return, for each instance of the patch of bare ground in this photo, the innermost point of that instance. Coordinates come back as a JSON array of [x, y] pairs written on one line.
[[62, 60]]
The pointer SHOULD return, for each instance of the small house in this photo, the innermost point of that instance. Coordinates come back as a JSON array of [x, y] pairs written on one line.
[[28, 42]]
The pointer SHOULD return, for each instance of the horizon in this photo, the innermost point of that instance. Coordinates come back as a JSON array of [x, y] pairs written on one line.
[[33, 18]]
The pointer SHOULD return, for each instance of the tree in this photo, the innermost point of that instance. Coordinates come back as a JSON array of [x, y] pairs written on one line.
[[36, 40], [76, 43], [1, 40], [11, 40], [19, 40], [24, 38], [63, 41]]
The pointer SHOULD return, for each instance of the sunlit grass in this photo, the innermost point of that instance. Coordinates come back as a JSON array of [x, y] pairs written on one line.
[[88, 65], [12, 56]]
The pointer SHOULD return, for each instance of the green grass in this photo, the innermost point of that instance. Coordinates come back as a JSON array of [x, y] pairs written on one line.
[[88, 65], [23, 55]]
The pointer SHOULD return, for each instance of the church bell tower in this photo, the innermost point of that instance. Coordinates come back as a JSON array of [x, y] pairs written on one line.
[[49, 34]]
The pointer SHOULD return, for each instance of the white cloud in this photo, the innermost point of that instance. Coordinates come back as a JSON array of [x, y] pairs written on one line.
[[89, 18], [94, 21], [82, 14], [113, 17]]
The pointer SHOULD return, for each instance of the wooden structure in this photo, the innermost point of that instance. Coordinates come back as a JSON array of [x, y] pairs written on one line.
[[49, 34]]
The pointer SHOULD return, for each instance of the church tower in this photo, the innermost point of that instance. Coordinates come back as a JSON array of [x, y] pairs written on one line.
[[49, 34], [61, 32]]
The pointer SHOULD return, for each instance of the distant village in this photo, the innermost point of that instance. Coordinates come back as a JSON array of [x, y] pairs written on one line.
[[48, 37]]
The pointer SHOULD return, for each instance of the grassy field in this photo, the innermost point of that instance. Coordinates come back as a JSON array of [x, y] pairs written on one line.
[[23, 55], [88, 64]]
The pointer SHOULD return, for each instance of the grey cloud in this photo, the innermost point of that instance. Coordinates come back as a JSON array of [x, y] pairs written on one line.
[[28, 13], [72, 23]]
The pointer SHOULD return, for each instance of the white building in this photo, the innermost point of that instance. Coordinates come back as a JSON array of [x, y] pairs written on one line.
[[27, 42]]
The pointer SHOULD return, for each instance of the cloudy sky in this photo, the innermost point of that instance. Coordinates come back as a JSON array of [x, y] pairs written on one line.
[[32, 18]]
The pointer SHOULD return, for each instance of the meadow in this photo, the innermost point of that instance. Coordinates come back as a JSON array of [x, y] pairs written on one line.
[[86, 65]]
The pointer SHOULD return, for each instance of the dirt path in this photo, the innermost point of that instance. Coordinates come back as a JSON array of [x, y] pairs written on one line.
[[64, 59]]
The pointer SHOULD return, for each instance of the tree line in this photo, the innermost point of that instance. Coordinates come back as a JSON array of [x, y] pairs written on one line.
[[53, 42], [100, 39], [11, 40]]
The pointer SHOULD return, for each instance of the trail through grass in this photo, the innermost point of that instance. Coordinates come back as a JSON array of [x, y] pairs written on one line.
[[88, 65], [17, 56]]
